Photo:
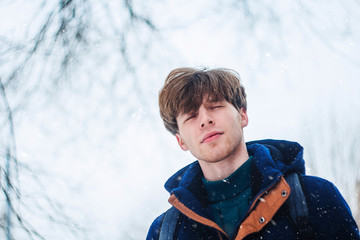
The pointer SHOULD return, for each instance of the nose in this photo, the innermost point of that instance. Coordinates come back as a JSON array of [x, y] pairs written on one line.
[[210, 123], [205, 118]]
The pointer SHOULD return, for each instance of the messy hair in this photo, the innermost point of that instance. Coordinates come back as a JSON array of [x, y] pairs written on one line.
[[185, 88]]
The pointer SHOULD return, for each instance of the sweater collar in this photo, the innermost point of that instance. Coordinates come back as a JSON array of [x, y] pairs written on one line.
[[231, 186]]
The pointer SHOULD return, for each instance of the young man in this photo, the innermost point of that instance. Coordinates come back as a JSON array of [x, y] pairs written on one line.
[[238, 190]]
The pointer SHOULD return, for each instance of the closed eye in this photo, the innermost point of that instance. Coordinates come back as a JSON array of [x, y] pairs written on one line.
[[216, 106], [190, 117]]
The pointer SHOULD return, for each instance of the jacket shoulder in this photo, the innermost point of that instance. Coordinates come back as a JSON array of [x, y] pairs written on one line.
[[323, 192], [329, 212], [319, 187], [154, 231]]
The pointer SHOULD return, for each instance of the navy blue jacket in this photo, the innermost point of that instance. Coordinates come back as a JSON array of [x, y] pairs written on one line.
[[267, 216]]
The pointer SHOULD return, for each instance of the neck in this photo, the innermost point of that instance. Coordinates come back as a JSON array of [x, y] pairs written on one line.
[[215, 171]]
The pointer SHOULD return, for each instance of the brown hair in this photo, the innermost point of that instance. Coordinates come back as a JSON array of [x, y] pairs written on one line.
[[185, 88]]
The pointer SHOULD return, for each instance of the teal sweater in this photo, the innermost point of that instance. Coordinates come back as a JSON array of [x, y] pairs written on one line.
[[229, 198]]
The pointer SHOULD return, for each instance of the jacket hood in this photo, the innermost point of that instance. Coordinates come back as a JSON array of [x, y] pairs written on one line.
[[271, 160], [284, 156]]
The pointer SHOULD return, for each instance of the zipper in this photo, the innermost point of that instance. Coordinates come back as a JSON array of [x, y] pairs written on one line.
[[257, 199]]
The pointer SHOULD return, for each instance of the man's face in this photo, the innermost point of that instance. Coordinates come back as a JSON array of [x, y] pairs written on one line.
[[213, 133]]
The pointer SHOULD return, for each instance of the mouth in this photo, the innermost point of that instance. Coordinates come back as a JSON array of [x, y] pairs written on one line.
[[211, 137]]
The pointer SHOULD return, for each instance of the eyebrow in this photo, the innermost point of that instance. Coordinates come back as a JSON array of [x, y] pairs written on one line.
[[191, 111], [214, 102]]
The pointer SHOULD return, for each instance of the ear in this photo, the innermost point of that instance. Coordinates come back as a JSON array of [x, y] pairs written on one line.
[[244, 118], [181, 142]]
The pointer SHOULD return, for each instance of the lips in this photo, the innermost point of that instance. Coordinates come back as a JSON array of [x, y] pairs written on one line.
[[211, 137]]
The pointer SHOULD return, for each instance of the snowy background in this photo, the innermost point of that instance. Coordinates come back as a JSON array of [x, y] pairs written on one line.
[[89, 153]]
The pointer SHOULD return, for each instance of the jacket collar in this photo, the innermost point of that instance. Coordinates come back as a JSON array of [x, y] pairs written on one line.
[[271, 160]]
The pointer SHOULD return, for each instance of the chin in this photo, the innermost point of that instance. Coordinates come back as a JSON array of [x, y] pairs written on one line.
[[215, 157]]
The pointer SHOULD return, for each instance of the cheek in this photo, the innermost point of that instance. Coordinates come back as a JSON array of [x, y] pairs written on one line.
[[185, 136], [236, 120]]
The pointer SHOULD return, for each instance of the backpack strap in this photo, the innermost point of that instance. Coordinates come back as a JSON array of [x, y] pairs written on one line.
[[298, 207], [169, 223]]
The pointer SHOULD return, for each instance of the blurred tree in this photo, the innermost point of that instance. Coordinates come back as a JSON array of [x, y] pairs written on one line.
[[331, 145], [58, 40]]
